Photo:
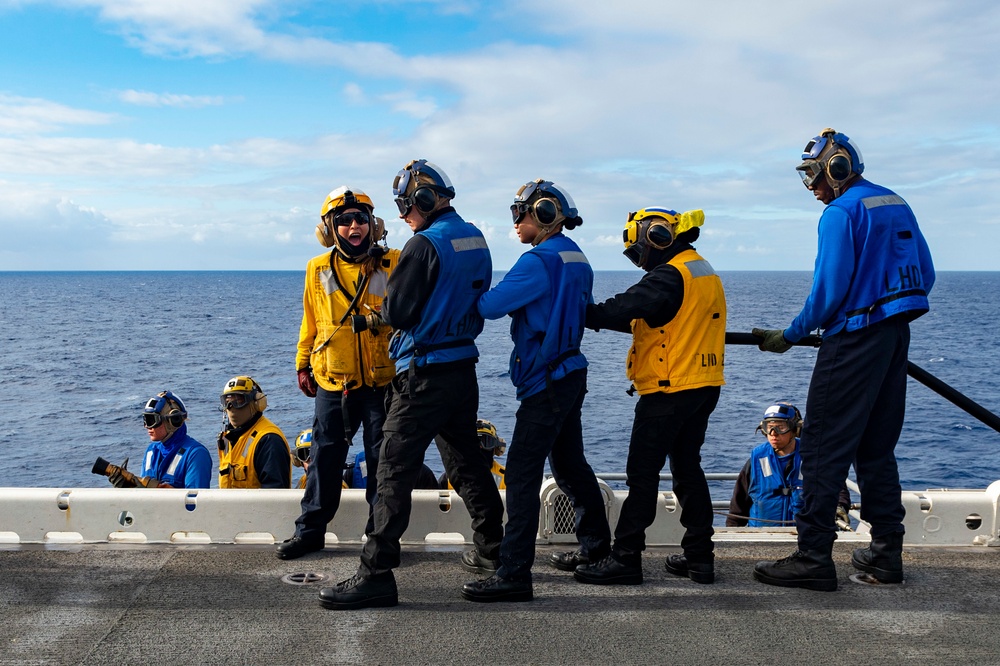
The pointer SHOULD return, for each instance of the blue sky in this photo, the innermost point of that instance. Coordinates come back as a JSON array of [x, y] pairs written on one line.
[[182, 134]]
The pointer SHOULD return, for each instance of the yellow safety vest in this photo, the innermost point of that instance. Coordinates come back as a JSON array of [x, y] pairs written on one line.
[[687, 352], [236, 468], [336, 355]]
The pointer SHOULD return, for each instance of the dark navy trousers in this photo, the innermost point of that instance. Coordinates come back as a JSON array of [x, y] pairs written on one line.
[[440, 400], [854, 414], [328, 453], [548, 426], [668, 425]]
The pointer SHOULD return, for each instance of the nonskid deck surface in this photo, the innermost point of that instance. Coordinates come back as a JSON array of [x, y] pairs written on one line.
[[107, 604]]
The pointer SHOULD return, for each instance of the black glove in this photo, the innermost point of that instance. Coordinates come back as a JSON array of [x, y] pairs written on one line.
[[364, 322], [774, 340]]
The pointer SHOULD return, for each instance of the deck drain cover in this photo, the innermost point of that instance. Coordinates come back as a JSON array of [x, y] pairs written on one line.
[[304, 578]]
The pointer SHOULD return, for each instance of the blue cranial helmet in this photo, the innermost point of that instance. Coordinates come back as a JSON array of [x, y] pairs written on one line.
[[833, 155], [165, 407]]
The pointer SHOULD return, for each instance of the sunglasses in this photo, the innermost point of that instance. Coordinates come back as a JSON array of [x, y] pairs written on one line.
[[349, 218]]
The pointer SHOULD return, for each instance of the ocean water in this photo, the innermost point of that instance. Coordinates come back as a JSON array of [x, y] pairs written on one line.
[[80, 352]]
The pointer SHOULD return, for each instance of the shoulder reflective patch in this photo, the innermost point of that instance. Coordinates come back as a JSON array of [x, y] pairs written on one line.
[[765, 466], [174, 463], [469, 243], [700, 268], [884, 200], [326, 279], [378, 283], [573, 257]]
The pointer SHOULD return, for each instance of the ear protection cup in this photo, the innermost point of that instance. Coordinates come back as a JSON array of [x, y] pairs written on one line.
[[545, 211], [323, 234], [260, 401], [378, 229], [839, 167], [424, 199], [176, 418]]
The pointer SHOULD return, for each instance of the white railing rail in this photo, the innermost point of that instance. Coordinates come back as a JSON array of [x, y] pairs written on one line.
[[164, 516]]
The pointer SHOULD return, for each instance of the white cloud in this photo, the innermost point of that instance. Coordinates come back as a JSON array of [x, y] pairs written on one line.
[[142, 98], [27, 116], [625, 105]]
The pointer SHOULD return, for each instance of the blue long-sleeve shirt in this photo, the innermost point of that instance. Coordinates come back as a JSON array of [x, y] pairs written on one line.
[[872, 262]]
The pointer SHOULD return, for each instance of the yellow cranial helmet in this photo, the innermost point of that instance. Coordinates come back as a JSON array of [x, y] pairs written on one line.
[[303, 444], [345, 197], [489, 440], [240, 392], [655, 227]]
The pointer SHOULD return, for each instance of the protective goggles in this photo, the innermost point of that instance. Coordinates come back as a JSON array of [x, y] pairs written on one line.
[[809, 172], [234, 401], [302, 453], [402, 182], [347, 219], [775, 427], [152, 420]]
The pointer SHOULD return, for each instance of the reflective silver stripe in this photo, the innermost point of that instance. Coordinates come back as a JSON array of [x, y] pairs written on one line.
[[326, 279], [765, 466], [883, 200], [700, 268], [377, 284], [174, 463], [470, 243], [573, 257]]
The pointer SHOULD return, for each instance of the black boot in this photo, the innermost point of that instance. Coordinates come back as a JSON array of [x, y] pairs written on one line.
[[882, 559], [811, 569], [699, 572], [609, 571], [296, 547], [496, 588], [473, 561], [361, 592], [569, 561]]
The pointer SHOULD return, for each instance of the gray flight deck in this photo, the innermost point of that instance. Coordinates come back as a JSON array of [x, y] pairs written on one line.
[[219, 604]]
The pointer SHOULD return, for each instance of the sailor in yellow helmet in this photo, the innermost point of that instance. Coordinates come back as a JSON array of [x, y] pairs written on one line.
[[493, 446], [677, 316], [253, 453], [343, 356]]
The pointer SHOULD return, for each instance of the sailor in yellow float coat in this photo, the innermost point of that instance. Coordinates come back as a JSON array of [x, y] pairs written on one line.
[[677, 316], [687, 352], [342, 358], [253, 452]]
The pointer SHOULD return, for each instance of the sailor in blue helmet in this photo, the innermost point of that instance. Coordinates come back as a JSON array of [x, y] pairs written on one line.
[[431, 305], [173, 458], [768, 490], [546, 295], [872, 277]]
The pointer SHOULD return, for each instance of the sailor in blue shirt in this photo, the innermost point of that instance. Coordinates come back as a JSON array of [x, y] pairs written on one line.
[[431, 305], [546, 295], [872, 277], [173, 458]]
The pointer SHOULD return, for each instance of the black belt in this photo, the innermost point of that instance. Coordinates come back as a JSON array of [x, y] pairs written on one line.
[[884, 300]]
